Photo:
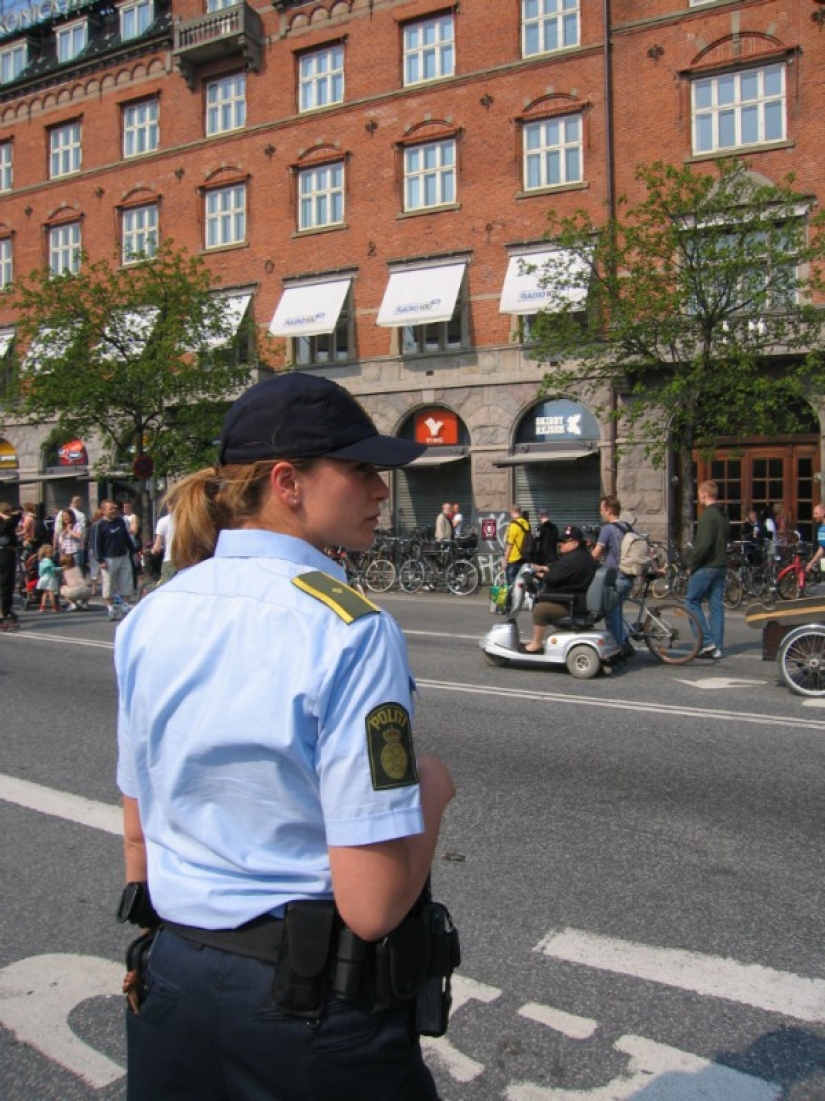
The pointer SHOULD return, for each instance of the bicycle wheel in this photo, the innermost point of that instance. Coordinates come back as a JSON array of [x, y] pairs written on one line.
[[678, 590], [801, 660], [662, 585], [411, 575], [379, 576], [732, 596], [787, 584], [672, 633], [461, 578], [758, 582]]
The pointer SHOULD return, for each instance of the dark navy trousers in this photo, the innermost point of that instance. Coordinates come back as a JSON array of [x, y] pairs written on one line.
[[208, 1031]]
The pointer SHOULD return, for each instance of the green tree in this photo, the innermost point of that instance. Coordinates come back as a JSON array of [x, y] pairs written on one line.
[[137, 355], [701, 315]]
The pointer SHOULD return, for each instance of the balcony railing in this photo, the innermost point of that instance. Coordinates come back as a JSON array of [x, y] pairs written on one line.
[[236, 29]]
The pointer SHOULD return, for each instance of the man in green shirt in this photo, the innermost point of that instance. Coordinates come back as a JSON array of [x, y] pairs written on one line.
[[708, 566]]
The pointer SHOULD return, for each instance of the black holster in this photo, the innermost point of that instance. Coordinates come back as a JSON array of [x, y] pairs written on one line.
[[302, 972]]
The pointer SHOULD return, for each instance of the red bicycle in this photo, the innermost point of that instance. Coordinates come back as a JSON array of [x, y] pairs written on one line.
[[791, 580]]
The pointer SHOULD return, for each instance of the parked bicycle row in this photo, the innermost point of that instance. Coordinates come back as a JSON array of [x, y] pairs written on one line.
[[413, 563]]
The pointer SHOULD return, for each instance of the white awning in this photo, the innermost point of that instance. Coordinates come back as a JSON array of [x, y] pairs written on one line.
[[434, 458], [419, 296], [544, 281], [127, 333], [234, 311], [529, 457], [48, 343], [310, 309], [5, 341]]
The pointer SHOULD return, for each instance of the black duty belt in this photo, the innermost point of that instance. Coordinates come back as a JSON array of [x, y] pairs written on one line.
[[259, 939]]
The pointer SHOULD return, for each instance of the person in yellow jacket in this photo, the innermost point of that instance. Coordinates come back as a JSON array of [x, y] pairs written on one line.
[[513, 558]]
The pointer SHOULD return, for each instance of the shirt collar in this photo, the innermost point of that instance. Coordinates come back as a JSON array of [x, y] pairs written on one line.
[[256, 543]]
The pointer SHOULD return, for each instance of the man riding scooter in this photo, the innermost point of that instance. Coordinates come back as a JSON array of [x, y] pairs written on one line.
[[572, 573]]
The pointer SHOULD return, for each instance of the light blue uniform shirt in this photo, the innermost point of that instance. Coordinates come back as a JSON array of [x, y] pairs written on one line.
[[242, 731]]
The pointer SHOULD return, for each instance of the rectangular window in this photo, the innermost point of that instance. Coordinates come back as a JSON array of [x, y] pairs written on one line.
[[429, 175], [219, 5], [321, 78], [12, 62], [326, 347], [5, 262], [321, 196], [141, 133], [140, 233], [548, 25], [429, 50], [553, 152], [738, 109], [64, 249], [6, 150], [64, 150], [136, 19], [440, 336], [226, 104], [71, 40], [226, 216]]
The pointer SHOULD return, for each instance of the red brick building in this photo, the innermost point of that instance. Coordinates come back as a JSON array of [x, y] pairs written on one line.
[[362, 177]]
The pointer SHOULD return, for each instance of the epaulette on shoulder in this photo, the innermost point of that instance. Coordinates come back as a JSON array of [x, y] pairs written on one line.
[[338, 596]]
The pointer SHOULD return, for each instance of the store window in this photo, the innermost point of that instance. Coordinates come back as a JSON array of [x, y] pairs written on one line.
[[141, 130], [321, 78], [548, 25], [226, 104], [429, 50], [735, 110], [65, 154], [317, 319], [225, 216]]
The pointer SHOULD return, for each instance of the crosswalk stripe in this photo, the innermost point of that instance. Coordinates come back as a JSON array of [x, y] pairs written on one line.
[[61, 804]]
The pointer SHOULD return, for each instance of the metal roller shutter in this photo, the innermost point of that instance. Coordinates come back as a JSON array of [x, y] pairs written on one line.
[[570, 490], [419, 494]]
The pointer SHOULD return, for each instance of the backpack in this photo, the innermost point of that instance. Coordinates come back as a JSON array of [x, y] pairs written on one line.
[[634, 554], [528, 543]]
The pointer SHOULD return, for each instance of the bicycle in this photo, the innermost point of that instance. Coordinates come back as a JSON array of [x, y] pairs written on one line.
[[441, 565], [745, 577], [671, 632], [673, 577], [791, 580]]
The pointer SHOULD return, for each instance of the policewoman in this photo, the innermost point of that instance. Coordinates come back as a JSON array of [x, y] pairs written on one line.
[[278, 825]]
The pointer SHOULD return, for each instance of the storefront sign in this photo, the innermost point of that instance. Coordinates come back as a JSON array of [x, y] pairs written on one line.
[[559, 420], [15, 21], [72, 453], [436, 427], [8, 456]]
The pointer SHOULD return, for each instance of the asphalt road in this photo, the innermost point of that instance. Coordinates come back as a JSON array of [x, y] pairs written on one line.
[[635, 864]]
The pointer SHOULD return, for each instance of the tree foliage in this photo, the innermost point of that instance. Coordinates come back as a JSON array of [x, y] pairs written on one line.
[[137, 355], [702, 318]]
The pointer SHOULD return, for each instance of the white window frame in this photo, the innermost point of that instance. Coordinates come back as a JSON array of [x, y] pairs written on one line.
[[218, 5], [321, 78], [323, 348], [225, 216], [226, 104], [65, 150], [559, 141], [141, 127], [139, 233], [321, 196], [429, 49], [549, 25], [65, 244], [71, 40], [430, 174], [13, 61], [720, 100], [6, 165], [143, 14], [6, 258]]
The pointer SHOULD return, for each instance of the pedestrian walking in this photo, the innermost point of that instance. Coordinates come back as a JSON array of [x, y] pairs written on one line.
[[708, 567]]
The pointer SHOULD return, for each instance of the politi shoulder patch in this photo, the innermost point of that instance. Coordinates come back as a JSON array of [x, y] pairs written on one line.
[[339, 597], [390, 747]]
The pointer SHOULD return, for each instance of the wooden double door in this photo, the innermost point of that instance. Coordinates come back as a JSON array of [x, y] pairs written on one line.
[[761, 475]]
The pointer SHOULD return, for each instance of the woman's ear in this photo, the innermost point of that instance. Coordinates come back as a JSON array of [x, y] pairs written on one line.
[[284, 487]]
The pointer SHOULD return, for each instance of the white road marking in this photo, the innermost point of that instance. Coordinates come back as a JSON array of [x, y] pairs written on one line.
[[38, 994], [657, 1072], [575, 1028], [715, 683], [44, 637], [579, 701], [710, 976], [458, 1065], [61, 804], [819, 702]]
